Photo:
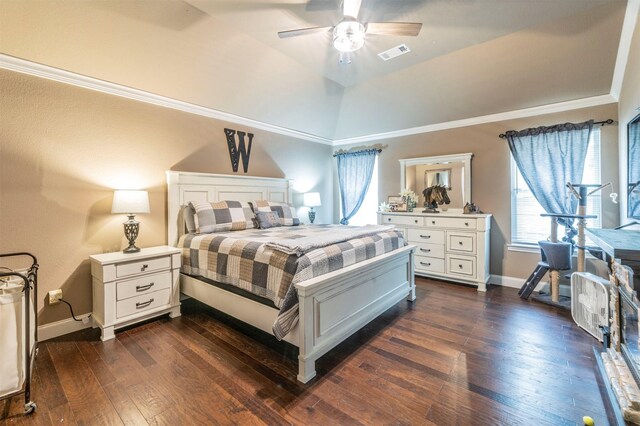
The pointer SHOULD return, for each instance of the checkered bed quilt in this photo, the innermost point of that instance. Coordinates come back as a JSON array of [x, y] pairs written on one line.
[[243, 259]]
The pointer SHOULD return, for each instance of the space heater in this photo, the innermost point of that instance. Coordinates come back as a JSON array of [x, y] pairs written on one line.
[[590, 302]]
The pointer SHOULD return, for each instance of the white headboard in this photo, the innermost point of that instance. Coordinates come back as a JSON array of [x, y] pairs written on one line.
[[183, 187]]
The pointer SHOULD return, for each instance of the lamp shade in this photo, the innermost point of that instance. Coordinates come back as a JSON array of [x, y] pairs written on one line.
[[312, 199], [128, 201]]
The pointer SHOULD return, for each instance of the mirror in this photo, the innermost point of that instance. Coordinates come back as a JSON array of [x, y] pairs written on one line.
[[451, 171], [633, 168]]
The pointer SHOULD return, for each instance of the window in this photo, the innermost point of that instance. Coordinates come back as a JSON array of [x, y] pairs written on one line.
[[367, 214], [527, 226]]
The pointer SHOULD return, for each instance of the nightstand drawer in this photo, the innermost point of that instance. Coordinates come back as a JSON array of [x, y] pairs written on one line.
[[426, 236], [461, 242], [431, 250], [143, 285], [142, 266], [451, 222], [142, 303], [429, 264], [461, 266]]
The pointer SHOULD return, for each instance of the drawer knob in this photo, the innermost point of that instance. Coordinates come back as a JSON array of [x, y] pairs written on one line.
[[416, 221], [466, 224], [425, 236], [433, 222], [460, 266], [145, 266], [144, 304], [460, 242], [425, 264], [389, 219], [144, 287], [425, 250]]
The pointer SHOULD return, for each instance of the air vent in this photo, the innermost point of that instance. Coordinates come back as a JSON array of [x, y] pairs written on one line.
[[394, 52]]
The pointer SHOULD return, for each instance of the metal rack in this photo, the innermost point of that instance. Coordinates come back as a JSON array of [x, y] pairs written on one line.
[[29, 279]]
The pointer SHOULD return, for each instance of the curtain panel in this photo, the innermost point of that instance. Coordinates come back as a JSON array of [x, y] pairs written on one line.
[[548, 158], [355, 170]]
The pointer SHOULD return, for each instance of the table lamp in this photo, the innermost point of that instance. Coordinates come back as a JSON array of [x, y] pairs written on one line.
[[130, 202], [312, 199]]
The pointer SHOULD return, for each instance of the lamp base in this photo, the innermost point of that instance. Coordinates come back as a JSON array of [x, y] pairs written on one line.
[[131, 228], [312, 215], [131, 249]]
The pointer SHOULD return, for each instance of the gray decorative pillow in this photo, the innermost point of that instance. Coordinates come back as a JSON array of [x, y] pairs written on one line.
[[188, 215], [286, 212], [268, 220], [222, 216]]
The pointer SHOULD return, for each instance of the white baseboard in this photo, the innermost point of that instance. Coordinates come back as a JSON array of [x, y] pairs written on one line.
[[60, 328], [506, 281]]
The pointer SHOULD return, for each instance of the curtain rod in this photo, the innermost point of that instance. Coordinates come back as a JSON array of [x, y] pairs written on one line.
[[602, 123], [362, 150]]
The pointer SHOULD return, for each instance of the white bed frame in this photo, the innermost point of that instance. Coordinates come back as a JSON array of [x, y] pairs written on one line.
[[332, 306]]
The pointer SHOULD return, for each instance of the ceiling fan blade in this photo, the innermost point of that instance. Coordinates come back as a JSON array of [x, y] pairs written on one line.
[[394, 28], [302, 31], [351, 8]]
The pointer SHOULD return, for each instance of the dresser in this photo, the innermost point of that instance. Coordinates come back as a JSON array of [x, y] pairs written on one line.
[[132, 287], [450, 246]]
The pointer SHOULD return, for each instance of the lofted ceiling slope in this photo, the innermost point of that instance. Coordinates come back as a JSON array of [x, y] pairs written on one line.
[[472, 57]]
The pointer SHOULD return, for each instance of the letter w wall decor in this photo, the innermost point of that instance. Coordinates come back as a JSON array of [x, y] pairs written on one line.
[[240, 151]]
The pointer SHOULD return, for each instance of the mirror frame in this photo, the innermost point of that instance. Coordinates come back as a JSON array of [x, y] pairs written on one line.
[[441, 159], [635, 120]]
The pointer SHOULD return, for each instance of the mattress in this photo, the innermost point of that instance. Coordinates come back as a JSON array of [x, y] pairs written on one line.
[[269, 262]]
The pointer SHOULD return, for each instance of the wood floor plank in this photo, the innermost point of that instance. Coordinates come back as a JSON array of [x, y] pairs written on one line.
[[86, 397], [454, 357]]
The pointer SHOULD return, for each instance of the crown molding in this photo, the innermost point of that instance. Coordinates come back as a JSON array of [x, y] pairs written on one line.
[[492, 118], [56, 74], [44, 71], [624, 47]]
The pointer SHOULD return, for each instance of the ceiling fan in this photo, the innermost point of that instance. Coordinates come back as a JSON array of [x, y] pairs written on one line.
[[349, 34]]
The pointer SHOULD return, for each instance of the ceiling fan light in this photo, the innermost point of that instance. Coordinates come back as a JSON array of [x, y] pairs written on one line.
[[348, 36]]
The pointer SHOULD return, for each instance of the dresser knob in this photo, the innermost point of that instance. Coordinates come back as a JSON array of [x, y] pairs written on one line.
[[144, 304], [425, 264], [425, 236], [466, 224], [460, 266], [416, 221], [460, 242], [145, 266], [425, 250], [433, 222], [389, 219]]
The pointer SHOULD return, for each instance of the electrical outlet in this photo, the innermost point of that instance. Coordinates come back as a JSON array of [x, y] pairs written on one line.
[[55, 296]]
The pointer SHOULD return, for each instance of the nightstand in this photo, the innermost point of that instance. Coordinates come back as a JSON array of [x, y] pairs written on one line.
[[132, 287]]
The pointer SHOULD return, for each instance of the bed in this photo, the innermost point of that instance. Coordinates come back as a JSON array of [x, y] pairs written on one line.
[[330, 307]]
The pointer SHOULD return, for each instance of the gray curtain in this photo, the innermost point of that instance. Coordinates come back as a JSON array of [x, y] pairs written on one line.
[[633, 190], [355, 170], [548, 158]]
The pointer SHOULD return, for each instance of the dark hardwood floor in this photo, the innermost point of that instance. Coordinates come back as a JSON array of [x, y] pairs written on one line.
[[454, 357]]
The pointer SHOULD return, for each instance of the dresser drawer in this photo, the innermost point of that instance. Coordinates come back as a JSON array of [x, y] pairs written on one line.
[[144, 302], [140, 266], [143, 285], [402, 220], [451, 222], [461, 242], [459, 265], [429, 264], [430, 236], [431, 250]]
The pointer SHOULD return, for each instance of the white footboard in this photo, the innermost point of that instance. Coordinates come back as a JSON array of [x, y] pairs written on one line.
[[336, 305]]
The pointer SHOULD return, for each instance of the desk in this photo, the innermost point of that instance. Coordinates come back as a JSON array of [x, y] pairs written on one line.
[[620, 244]]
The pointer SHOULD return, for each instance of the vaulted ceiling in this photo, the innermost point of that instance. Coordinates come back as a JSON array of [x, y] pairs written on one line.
[[472, 57]]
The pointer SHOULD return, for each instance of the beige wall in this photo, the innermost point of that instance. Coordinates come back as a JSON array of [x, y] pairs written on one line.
[[490, 173], [64, 149], [628, 107]]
